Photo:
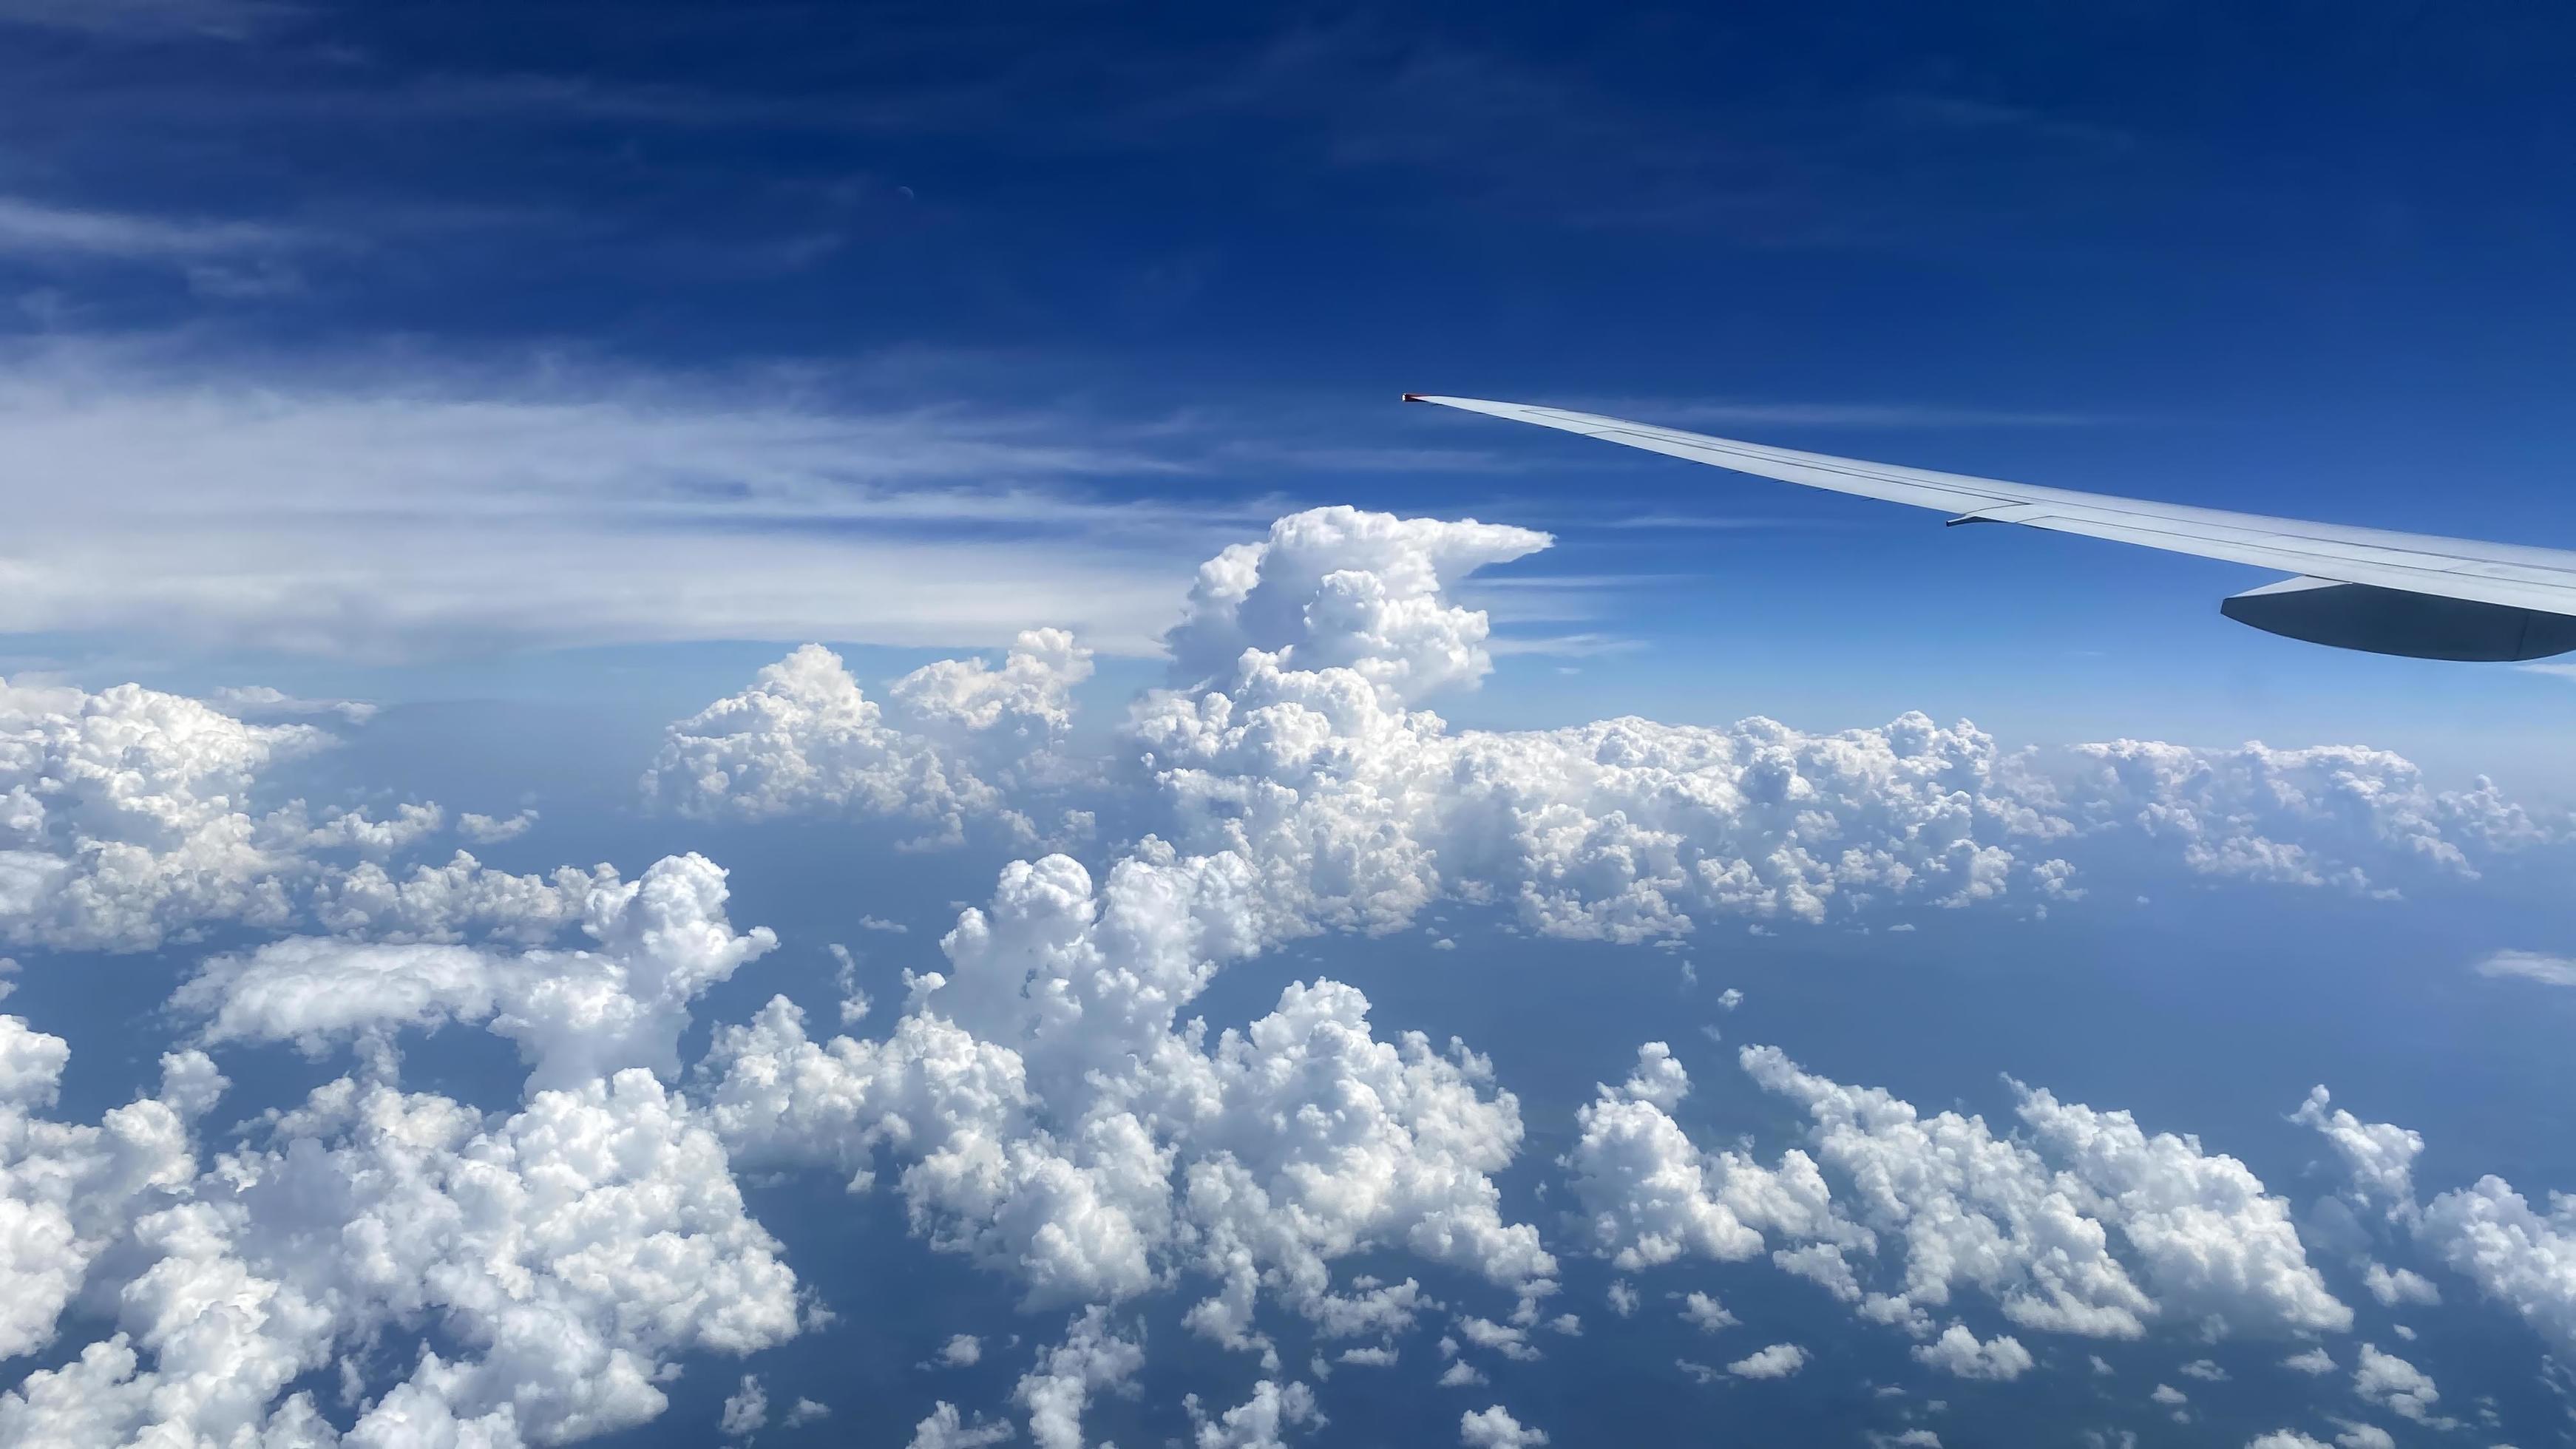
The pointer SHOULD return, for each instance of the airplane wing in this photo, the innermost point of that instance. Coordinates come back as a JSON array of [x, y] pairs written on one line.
[[2354, 588]]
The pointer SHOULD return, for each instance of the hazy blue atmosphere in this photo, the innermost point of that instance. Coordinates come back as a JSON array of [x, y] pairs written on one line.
[[756, 723]]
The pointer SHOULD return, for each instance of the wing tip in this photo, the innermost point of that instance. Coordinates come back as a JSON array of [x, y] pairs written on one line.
[[1413, 397]]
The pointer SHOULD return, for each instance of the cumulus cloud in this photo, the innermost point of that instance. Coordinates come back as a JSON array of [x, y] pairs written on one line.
[[70, 1192], [1706, 1314], [1776, 1362], [1495, 1428], [128, 818], [2092, 1226], [560, 1259], [2515, 1253], [2392, 1383], [492, 830], [1260, 1422], [1092, 1359], [2402, 1285], [1297, 740], [2380, 1156], [661, 941], [1046, 1112], [2315, 1361], [1959, 1352], [805, 739]]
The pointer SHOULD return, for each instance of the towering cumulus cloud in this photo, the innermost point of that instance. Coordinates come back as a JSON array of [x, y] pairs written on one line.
[[805, 737]]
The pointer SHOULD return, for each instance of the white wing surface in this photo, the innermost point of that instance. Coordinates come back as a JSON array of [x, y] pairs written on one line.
[[2356, 588]]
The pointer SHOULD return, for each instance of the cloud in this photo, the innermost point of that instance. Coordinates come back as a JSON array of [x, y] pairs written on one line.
[[2314, 1361], [1776, 1362], [746, 1410], [1298, 743], [258, 701], [1706, 1314], [2205, 1370], [2402, 1285], [962, 1351], [353, 511], [2380, 1156], [489, 830], [945, 1428], [576, 1015], [1341, 588], [2514, 1253], [1495, 1428], [148, 20], [2530, 966], [804, 739], [1957, 1351], [1092, 1359], [123, 819], [1047, 1112], [1260, 1422], [564, 1256], [2109, 1231], [2390, 1382]]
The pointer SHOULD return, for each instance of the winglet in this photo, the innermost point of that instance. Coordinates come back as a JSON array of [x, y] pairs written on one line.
[[1413, 397]]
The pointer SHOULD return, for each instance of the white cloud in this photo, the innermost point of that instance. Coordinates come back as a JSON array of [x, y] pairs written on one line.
[[1092, 1359], [804, 1412], [69, 1193], [1301, 748], [746, 1410], [2284, 1439], [962, 1351], [1051, 1115], [1706, 1314], [1973, 1209], [661, 940], [2310, 1361], [1461, 1375], [2530, 966], [354, 509], [565, 1255], [1495, 1428], [2367, 1436], [2380, 1156], [2206, 1370], [945, 1428], [1776, 1362], [2392, 1383], [258, 701], [2515, 1254], [1623, 1298], [2402, 1285], [805, 739], [2169, 1396], [1260, 1422], [127, 819], [492, 830], [1957, 1351]]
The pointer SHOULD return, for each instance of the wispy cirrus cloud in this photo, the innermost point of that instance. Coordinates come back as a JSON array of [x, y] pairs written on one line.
[[146, 20], [425, 509]]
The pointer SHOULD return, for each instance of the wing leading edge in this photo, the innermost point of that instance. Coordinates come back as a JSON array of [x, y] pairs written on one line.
[[2353, 588]]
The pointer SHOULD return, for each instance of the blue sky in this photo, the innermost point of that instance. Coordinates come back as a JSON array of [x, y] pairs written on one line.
[[2283, 262], [511, 387]]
